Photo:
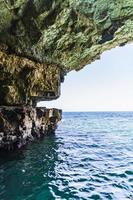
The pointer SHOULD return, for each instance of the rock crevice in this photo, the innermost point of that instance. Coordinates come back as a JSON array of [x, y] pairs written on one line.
[[20, 125], [66, 32], [41, 41], [23, 81]]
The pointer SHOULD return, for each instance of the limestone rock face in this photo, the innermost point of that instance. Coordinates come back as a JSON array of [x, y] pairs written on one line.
[[40, 42], [20, 125], [23, 81], [56, 36]]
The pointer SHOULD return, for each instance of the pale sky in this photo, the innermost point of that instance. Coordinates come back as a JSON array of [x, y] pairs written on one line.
[[104, 85]]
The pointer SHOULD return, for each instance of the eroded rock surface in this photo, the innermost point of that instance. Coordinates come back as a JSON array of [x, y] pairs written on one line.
[[65, 32], [40, 42], [60, 33], [20, 125], [23, 81]]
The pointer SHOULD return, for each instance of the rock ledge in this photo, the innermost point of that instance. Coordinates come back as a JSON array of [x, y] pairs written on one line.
[[20, 125]]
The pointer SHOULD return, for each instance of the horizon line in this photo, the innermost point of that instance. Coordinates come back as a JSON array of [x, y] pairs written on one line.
[[100, 111]]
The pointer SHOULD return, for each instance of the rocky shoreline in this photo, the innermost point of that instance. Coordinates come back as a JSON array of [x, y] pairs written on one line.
[[41, 41], [20, 125]]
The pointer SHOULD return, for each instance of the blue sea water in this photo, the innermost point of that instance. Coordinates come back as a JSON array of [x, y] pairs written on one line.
[[89, 157]]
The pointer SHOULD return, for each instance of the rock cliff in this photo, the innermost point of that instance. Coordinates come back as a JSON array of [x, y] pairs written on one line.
[[42, 40], [20, 125]]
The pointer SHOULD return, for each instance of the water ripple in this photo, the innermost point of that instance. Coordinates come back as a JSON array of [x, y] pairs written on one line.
[[90, 157]]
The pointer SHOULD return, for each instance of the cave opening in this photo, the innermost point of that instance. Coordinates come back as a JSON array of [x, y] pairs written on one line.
[[104, 85]]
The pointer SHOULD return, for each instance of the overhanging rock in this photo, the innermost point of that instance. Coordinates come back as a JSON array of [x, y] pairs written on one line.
[[62, 31], [63, 34], [42, 40], [23, 81]]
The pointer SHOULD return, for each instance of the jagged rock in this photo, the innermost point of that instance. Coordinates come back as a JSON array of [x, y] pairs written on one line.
[[40, 42], [23, 81], [60, 34], [65, 32], [19, 125]]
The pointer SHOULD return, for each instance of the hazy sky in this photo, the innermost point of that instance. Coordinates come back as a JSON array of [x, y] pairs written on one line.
[[104, 85]]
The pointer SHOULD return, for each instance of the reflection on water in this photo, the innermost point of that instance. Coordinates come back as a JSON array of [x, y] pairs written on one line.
[[90, 157], [27, 174]]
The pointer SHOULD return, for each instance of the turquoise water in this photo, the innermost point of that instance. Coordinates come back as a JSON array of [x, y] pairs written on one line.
[[89, 157]]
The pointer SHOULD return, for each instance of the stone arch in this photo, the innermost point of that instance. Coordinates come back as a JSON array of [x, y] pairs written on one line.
[[40, 42]]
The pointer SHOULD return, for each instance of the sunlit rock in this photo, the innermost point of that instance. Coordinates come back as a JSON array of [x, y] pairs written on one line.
[[42, 40]]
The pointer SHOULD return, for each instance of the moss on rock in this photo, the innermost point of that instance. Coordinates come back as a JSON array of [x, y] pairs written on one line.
[[62, 35]]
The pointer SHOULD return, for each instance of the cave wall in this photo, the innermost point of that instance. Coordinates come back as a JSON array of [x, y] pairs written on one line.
[[42, 40], [23, 81]]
